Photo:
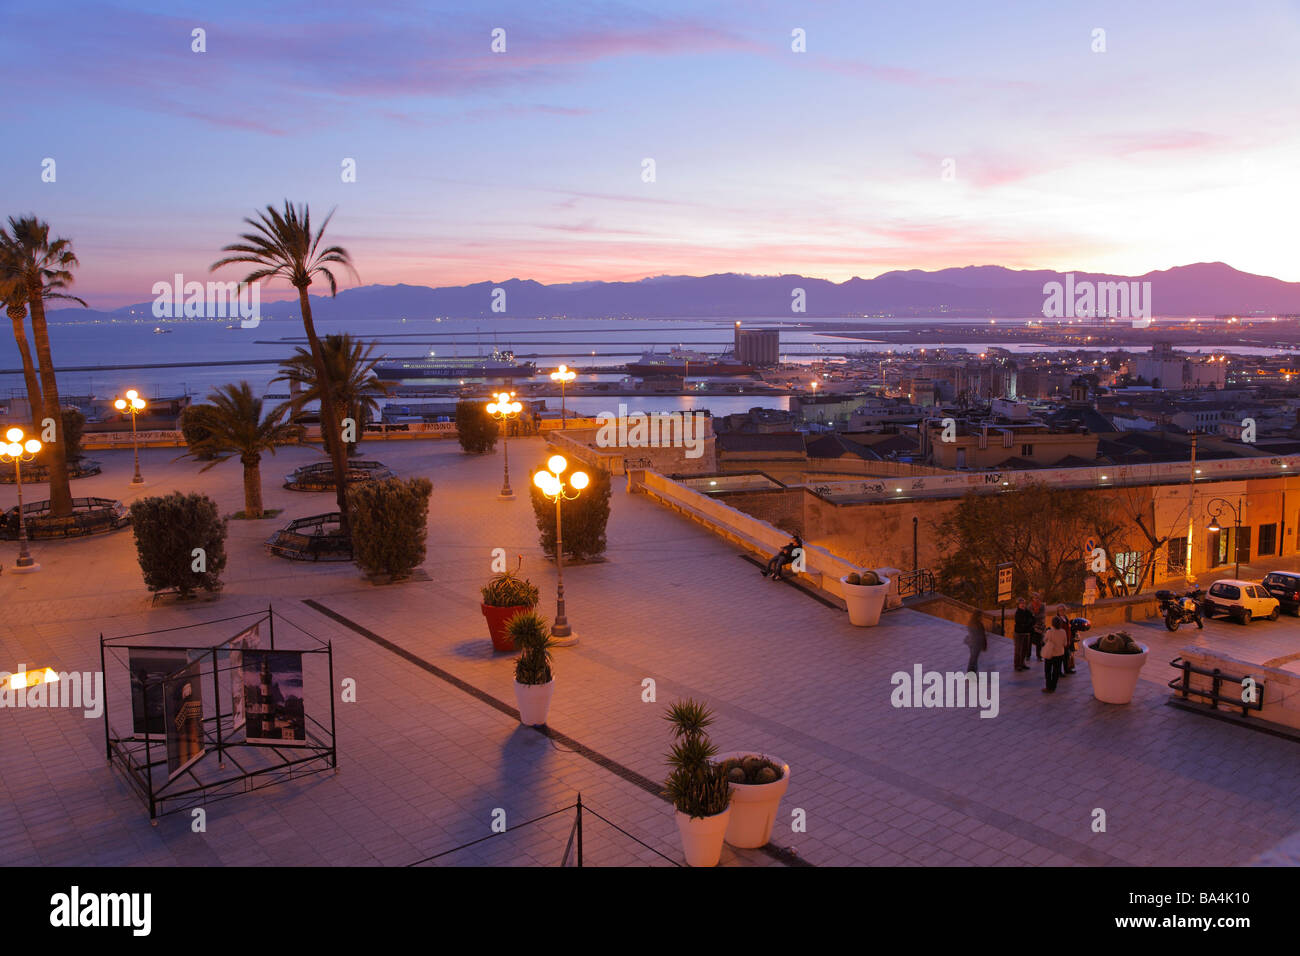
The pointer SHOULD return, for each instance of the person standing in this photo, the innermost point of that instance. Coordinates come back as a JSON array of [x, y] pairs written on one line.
[[1063, 621], [1040, 624], [976, 639], [1053, 655], [1024, 625]]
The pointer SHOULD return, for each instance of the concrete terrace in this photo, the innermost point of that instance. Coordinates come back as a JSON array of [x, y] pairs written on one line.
[[423, 763]]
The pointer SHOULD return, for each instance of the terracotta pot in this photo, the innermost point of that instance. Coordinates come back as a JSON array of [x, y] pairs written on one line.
[[1114, 676], [702, 837], [534, 702], [497, 617], [754, 805], [865, 601]]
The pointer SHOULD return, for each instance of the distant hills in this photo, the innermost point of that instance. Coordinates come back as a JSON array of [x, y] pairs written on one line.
[[1205, 288]]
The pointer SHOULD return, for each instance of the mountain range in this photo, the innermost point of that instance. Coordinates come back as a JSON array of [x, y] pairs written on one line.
[[1205, 288]]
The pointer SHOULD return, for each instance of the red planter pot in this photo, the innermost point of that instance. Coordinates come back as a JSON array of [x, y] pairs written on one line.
[[496, 619]]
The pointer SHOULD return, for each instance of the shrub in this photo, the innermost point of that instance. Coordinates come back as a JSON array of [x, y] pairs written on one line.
[[195, 432], [753, 769], [476, 430], [584, 518], [168, 529], [1119, 643], [509, 590], [695, 785], [389, 525], [531, 633]]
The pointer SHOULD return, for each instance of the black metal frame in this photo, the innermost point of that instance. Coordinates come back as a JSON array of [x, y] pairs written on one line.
[[135, 755], [920, 581], [100, 515], [1182, 684], [319, 476], [289, 542]]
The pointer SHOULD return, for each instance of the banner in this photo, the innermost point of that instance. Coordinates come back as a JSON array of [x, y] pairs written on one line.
[[250, 638], [183, 707], [149, 669], [273, 698]]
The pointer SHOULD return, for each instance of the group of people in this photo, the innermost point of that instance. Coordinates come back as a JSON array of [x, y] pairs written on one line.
[[1051, 642]]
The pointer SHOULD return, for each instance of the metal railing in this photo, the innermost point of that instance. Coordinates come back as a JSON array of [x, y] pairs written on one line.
[[912, 583], [1182, 684]]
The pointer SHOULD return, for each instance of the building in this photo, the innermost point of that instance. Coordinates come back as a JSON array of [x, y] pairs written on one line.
[[1005, 438], [760, 348]]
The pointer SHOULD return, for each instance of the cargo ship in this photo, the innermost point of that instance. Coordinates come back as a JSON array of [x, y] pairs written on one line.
[[500, 364], [679, 363]]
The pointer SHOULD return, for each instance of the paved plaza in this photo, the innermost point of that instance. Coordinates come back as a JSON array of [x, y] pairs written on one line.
[[426, 755]]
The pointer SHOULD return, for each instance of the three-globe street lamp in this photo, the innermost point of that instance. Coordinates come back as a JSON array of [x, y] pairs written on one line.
[[553, 487], [135, 404], [17, 450], [563, 376], [504, 409], [1236, 535]]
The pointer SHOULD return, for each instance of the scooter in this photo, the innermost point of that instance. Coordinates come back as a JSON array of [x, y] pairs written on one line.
[[1181, 610]]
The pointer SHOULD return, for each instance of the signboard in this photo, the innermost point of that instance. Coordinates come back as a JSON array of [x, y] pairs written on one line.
[[1004, 582], [1090, 589]]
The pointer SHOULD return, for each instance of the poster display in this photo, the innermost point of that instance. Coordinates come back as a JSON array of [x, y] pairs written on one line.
[[149, 669], [273, 700], [250, 638], [183, 709]]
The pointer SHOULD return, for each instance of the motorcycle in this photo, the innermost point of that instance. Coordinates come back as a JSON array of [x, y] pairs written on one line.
[[1181, 610]]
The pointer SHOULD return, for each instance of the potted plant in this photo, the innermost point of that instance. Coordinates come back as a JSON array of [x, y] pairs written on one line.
[[758, 783], [504, 596], [534, 682], [865, 595], [697, 787], [1114, 663]]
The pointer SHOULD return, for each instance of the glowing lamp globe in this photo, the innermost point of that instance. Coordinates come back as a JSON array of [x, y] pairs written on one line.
[[13, 449], [120, 405], [557, 464], [132, 395], [32, 446], [14, 435], [579, 480]]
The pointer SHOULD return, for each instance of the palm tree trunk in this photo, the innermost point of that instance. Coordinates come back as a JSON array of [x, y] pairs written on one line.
[[252, 487], [60, 491], [16, 316], [329, 420]]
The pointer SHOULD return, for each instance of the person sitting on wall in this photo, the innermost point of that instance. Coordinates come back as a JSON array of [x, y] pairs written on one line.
[[786, 556]]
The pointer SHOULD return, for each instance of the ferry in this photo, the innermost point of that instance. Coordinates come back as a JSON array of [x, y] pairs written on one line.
[[501, 364], [159, 330], [680, 363]]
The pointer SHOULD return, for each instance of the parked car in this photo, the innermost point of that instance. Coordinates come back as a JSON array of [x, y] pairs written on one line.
[[1285, 586], [1240, 600]]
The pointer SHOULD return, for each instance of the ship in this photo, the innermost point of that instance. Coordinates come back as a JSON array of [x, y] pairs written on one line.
[[500, 364], [679, 363]]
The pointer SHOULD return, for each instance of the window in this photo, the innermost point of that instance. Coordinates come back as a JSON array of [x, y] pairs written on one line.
[[1215, 549], [1243, 545], [1026, 451], [1267, 539], [1129, 565], [1230, 591], [1176, 559]]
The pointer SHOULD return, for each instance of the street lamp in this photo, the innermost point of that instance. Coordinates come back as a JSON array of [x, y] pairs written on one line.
[[18, 451], [563, 376], [504, 409], [135, 404], [553, 487], [1236, 537]]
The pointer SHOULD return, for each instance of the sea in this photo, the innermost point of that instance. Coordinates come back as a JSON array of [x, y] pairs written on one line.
[[163, 358]]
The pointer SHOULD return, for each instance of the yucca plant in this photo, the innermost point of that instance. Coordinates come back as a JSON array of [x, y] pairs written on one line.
[[531, 633], [695, 785], [507, 589]]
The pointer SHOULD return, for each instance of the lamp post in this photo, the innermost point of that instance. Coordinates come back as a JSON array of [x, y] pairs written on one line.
[[554, 487], [1236, 537], [18, 451], [504, 409], [563, 376], [135, 405]]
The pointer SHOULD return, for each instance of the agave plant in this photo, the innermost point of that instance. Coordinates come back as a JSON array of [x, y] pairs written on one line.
[[695, 785], [508, 589], [531, 633]]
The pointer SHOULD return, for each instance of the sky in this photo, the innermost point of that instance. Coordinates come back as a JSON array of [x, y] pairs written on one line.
[[914, 135]]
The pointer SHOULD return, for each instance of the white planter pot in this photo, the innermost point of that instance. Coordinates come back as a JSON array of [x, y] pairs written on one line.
[[534, 701], [702, 837], [865, 601], [1114, 676], [754, 805]]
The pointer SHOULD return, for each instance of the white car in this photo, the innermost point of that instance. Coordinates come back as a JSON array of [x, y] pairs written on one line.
[[1240, 600]]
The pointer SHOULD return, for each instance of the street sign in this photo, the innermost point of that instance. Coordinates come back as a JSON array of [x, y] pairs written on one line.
[[1090, 589], [1004, 582]]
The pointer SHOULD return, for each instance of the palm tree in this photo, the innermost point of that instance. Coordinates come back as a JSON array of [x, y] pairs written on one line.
[[350, 364], [283, 244], [234, 426], [15, 303], [39, 269]]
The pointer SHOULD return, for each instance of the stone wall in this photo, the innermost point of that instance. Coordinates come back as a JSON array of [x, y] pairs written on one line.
[[1281, 696]]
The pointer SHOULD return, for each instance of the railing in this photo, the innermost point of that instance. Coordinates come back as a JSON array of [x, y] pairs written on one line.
[[306, 539], [1182, 684], [911, 583], [90, 516]]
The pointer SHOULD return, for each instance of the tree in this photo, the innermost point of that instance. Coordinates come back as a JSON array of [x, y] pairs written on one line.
[[72, 425], [390, 525], [1040, 530], [475, 428], [350, 365], [181, 542], [234, 425], [583, 519], [194, 430], [15, 302], [282, 244], [33, 266]]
